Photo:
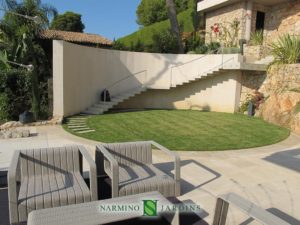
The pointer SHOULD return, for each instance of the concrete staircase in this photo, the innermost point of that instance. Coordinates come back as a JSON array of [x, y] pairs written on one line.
[[78, 125], [198, 77], [178, 79], [102, 107]]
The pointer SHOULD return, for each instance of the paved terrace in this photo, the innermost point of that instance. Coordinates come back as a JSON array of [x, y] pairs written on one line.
[[268, 176]]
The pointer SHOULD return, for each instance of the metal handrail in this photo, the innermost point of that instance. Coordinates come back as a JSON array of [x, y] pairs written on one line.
[[203, 56], [123, 79], [217, 66]]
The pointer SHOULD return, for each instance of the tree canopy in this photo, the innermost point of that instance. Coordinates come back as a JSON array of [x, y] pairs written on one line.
[[69, 21], [19, 43], [152, 11]]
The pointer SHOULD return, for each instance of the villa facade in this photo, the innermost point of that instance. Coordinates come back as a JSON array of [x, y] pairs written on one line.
[[274, 17]]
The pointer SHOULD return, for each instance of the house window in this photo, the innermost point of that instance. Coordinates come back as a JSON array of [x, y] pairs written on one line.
[[260, 20]]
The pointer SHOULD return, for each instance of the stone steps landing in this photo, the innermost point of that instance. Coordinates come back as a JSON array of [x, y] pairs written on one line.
[[78, 125]]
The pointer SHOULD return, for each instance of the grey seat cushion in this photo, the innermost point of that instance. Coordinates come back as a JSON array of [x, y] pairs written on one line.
[[59, 189], [144, 178]]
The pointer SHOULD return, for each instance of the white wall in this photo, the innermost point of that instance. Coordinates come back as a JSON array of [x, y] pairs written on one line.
[[81, 73], [219, 93]]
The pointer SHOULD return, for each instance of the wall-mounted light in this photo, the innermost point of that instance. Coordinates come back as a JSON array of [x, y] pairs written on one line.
[[35, 19], [29, 67]]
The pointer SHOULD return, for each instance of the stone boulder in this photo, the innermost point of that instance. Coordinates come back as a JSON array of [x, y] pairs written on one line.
[[10, 124], [281, 108]]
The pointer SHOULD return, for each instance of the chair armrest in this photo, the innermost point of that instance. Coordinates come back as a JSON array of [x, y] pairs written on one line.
[[114, 167], [176, 158], [92, 173], [13, 174], [174, 155], [250, 209]]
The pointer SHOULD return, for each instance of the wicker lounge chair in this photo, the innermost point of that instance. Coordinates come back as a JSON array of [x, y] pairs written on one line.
[[129, 166], [46, 178]]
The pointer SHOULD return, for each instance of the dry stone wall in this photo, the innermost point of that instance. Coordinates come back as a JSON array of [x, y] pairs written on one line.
[[281, 89]]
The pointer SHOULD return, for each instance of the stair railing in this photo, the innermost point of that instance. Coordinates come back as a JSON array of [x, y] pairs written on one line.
[[142, 85], [221, 50], [194, 60]]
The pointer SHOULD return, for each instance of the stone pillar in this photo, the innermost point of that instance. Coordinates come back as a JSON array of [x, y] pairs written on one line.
[[249, 10]]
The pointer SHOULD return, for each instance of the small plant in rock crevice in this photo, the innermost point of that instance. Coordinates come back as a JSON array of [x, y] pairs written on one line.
[[286, 50], [256, 98], [257, 38]]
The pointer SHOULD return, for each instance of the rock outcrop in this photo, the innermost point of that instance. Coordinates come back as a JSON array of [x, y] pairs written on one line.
[[282, 91]]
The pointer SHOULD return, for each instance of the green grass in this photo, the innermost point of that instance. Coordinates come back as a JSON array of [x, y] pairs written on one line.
[[145, 34], [186, 129]]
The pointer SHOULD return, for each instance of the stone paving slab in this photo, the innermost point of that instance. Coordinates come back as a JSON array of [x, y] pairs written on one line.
[[268, 176]]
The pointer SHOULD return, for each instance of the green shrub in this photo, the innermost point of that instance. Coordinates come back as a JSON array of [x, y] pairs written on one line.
[[3, 107], [118, 45], [137, 47], [202, 49], [297, 108], [286, 50], [193, 42], [257, 38], [256, 98], [16, 94], [165, 42], [213, 46]]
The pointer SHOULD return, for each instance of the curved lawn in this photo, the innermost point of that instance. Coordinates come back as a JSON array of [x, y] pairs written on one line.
[[185, 129]]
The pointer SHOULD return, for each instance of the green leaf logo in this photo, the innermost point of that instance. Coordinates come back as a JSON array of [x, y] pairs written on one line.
[[150, 208]]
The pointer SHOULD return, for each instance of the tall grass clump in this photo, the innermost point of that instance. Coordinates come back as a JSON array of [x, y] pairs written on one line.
[[257, 38], [286, 50]]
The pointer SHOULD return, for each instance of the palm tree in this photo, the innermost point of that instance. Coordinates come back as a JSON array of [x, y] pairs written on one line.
[[174, 23], [21, 40]]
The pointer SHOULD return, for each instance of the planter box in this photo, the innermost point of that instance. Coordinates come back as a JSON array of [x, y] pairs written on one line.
[[254, 53]]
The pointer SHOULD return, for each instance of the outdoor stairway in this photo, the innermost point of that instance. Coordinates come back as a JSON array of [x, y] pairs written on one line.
[[178, 79], [102, 107], [201, 76], [78, 125]]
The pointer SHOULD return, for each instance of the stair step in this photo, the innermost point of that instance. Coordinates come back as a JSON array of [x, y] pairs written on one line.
[[97, 109], [86, 131], [71, 127], [101, 107], [77, 120], [91, 112], [81, 129], [98, 106], [105, 103]]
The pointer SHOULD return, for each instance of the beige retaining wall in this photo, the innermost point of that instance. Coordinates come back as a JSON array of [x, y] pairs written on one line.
[[80, 73]]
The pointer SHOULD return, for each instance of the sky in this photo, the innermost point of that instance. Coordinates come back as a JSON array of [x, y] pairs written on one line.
[[109, 18]]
